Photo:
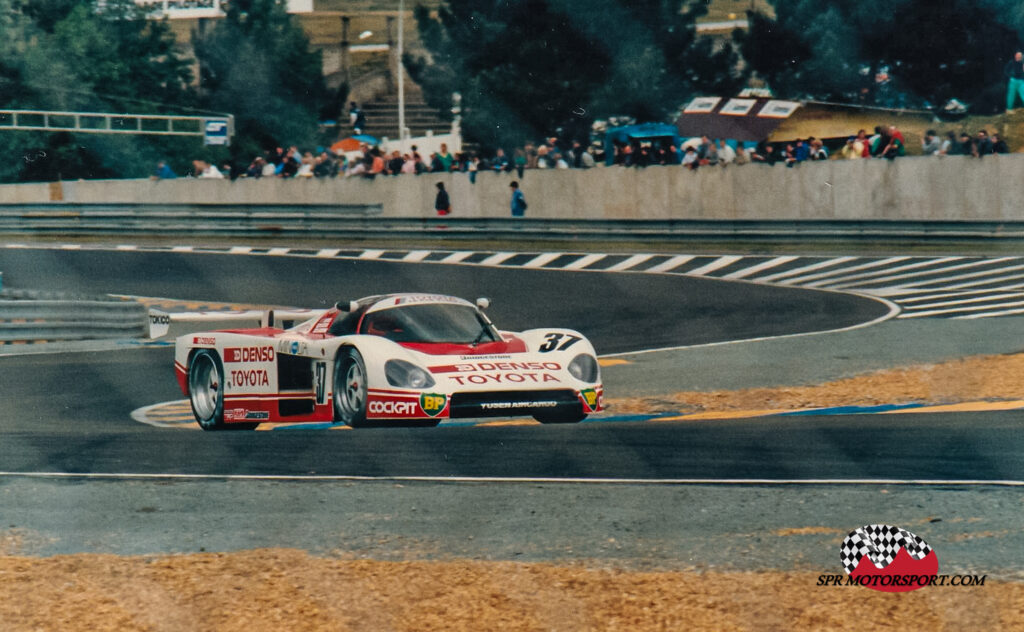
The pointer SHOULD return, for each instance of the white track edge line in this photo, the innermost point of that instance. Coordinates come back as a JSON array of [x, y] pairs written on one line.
[[515, 479], [894, 311]]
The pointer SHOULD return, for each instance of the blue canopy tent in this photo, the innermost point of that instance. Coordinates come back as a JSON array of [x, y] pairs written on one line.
[[641, 132]]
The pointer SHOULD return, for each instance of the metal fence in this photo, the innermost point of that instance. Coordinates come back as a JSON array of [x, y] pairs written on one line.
[[31, 316], [364, 222]]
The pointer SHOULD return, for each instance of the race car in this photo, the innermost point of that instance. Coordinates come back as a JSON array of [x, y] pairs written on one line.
[[402, 359]]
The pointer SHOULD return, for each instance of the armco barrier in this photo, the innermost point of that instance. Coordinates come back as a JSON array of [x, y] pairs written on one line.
[[40, 316], [918, 189], [252, 221]]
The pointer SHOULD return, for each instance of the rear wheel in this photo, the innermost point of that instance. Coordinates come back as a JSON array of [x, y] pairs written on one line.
[[206, 392], [350, 389]]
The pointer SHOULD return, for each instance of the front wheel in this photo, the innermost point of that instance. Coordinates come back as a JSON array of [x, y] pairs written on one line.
[[350, 388]]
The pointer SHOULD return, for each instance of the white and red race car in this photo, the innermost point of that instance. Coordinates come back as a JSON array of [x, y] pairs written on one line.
[[395, 359]]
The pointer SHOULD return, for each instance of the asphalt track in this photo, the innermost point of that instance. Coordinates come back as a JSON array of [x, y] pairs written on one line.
[[70, 413], [619, 312]]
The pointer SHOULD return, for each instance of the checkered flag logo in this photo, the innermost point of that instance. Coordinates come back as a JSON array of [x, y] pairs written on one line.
[[881, 543]]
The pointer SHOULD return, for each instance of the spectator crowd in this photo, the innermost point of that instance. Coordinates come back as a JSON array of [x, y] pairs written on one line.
[[553, 153]]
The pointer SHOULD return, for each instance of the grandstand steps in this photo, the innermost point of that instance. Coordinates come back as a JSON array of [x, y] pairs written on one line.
[[420, 118]]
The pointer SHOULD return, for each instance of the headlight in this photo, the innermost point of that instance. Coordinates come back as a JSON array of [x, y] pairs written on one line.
[[407, 375], [584, 368]]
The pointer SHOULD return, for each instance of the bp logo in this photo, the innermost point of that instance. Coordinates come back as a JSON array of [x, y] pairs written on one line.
[[433, 403], [590, 397], [887, 558]]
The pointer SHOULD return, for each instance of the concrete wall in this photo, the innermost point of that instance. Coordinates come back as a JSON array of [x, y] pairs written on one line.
[[911, 188]]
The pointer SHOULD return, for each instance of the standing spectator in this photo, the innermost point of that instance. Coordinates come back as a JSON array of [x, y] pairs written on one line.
[[966, 146], [531, 156], [269, 168], [690, 160], [442, 204], [473, 167], [999, 145], [587, 160], [710, 153], [325, 167], [1014, 73], [519, 160], [575, 155], [862, 138], [445, 157], [853, 150], [203, 169], [984, 143], [542, 158], [703, 150], [356, 117], [762, 152], [801, 151], [255, 168], [949, 146], [742, 155], [409, 164], [518, 201], [290, 167], [930, 145], [164, 171], [790, 156], [726, 154], [818, 151], [500, 162], [877, 142], [895, 146], [306, 166], [377, 164], [396, 163]]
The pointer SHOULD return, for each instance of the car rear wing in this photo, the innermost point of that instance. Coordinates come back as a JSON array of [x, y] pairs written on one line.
[[160, 321]]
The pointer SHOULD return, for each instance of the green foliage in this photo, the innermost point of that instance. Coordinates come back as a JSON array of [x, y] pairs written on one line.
[[74, 56], [257, 64], [107, 57], [526, 68], [934, 50]]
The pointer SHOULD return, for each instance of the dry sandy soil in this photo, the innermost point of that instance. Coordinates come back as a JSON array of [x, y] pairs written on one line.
[[292, 590], [975, 378], [278, 589]]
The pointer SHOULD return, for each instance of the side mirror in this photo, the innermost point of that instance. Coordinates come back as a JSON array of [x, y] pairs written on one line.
[[350, 306], [483, 303]]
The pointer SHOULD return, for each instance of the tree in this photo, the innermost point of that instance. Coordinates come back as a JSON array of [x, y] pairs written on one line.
[[83, 56], [526, 68], [928, 51], [257, 64]]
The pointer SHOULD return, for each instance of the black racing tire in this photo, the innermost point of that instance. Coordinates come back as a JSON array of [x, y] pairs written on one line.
[[206, 392], [573, 417], [351, 392]]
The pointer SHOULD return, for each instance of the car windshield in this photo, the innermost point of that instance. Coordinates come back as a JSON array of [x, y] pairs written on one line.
[[459, 324]]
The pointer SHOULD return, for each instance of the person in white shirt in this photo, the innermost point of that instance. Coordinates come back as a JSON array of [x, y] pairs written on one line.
[[203, 169], [690, 158], [726, 154]]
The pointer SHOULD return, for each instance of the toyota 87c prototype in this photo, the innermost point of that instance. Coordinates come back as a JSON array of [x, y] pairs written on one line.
[[396, 359]]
